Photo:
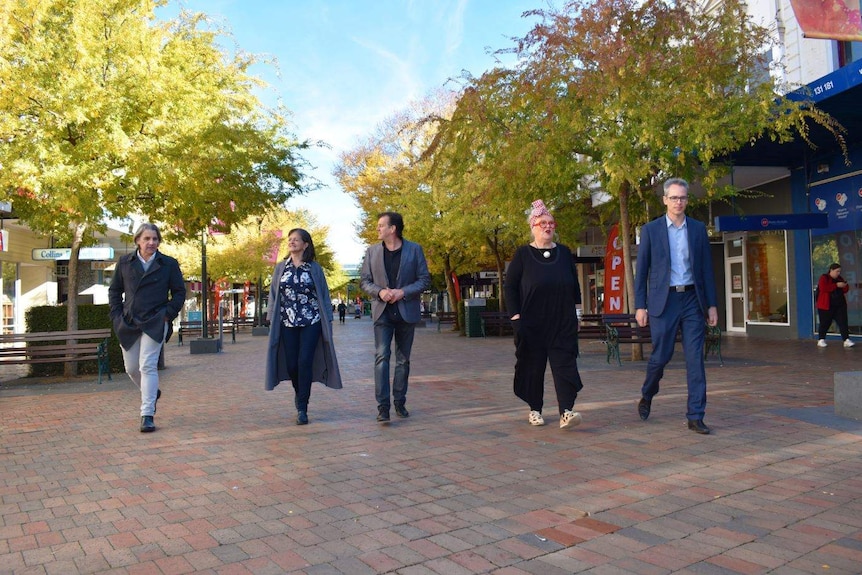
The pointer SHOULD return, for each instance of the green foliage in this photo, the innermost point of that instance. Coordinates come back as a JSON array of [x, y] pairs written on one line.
[[53, 318]]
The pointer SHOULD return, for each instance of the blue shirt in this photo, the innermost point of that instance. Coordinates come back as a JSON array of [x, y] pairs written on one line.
[[299, 304], [680, 266]]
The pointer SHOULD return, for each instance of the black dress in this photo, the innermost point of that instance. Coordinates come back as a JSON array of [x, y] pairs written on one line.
[[544, 291]]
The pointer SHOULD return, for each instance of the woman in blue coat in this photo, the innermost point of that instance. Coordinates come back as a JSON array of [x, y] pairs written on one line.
[[300, 333]]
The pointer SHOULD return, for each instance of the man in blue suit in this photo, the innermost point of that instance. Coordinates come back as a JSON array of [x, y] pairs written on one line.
[[675, 288], [394, 273]]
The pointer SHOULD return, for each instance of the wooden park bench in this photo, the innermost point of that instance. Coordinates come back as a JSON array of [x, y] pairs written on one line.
[[446, 317], [57, 347], [189, 328], [623, 328], [591, 326], [496, 323], [194, 328]]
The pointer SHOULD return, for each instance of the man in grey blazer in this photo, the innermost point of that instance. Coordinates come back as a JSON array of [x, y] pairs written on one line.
[[394, 273], [675, 288]]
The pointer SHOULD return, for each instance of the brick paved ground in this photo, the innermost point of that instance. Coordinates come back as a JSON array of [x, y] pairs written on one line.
[[228, 484]]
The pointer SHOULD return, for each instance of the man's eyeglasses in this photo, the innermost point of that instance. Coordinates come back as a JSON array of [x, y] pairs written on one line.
[[677, 199], [550, 225]]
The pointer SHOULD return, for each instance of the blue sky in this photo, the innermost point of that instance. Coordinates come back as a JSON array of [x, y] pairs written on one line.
[[344, 66]]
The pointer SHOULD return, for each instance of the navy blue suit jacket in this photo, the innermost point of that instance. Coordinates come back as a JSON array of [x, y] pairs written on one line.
[[652, 279]]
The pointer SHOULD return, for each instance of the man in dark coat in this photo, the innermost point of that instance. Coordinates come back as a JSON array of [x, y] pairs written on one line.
[[146, 294]]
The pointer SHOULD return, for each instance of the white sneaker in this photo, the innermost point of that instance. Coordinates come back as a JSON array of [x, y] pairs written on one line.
[[821, 343], [848, 343], [570, 419], [536, 418]]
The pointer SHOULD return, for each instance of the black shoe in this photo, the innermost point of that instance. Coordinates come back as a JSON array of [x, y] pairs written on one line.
[[383, 414], [301, 418], [644, 406], [401, 411], [698, 426], [147, 424], [156, 404]]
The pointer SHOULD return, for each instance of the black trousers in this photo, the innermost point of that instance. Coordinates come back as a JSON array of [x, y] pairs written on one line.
[[838, 314], [533, 352]]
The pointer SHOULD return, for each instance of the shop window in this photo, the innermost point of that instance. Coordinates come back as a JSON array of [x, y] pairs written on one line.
[[766, 262]]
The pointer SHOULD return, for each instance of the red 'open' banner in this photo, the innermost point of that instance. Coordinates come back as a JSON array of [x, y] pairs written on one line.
[[615, 274]]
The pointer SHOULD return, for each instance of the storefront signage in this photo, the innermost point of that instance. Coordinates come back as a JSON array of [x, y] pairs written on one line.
[[43, 254], [771, 222]]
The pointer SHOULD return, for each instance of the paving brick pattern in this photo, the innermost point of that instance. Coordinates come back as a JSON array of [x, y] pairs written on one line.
[[229, 484]]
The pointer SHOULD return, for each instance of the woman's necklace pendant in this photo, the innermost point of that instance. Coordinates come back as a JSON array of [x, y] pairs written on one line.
[[546, 253]]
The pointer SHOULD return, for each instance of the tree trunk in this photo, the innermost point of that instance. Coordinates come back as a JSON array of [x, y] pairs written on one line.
[[450, 289], [70, 369], [626, 236]]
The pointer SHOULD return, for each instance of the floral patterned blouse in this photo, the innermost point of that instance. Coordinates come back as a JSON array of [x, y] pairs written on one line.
[[299, 305]]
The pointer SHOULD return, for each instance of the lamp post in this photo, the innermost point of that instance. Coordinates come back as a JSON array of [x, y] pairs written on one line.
[[205, 292]]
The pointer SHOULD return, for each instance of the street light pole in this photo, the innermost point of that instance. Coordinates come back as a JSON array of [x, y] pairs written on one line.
[[205, 292]]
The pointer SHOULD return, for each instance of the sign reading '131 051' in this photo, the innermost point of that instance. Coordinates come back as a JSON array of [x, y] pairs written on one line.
[[42, 254]]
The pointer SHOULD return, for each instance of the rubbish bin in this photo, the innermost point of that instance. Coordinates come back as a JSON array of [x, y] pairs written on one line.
[[472, 320]]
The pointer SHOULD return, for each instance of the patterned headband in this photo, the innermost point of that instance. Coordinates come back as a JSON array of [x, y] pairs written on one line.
[[538, 211]]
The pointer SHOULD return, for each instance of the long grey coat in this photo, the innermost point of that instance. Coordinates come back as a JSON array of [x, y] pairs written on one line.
[[325, 366]]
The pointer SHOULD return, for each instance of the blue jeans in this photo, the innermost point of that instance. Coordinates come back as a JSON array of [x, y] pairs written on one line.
[[384, 330], [299, 345]]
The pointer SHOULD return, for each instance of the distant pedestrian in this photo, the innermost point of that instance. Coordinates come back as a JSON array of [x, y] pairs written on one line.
[[675, 289], [394, 273], [146, 293], [542, 292], [342, 311], [832, 305], [300, 313]]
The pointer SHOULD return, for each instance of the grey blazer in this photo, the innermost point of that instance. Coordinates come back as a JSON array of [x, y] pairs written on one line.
[[413, 278]]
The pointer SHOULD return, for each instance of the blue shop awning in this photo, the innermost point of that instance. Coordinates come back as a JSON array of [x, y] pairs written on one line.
[[838, 94]]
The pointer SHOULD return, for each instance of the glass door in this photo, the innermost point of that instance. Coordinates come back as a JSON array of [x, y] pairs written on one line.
[[735, 288]]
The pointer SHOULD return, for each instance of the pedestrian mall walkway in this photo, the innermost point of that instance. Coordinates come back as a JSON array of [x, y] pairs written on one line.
[[228, 483]]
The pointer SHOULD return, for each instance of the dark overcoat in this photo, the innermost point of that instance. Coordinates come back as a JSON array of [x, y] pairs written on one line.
[[325, 366], [142, 302]]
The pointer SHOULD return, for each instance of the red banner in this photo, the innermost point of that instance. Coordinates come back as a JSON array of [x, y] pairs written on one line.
[[829, 19], [615, 273]]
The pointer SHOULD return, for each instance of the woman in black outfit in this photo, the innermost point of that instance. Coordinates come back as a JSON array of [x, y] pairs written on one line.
[[542, 292]]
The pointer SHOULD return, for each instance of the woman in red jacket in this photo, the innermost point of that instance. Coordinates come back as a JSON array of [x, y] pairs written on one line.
[[832, 305]]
